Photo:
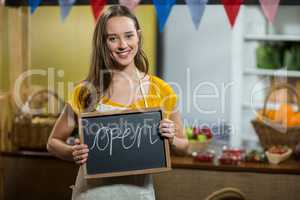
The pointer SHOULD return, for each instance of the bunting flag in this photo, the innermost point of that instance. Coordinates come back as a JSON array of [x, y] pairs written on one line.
[[196, 8], [131, 4], [65, 7], [232, 8], [269, 8], [97, 7], [33, 5], [163, 9]]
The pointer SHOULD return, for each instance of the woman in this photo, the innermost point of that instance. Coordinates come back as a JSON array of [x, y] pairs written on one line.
[[118, 79]]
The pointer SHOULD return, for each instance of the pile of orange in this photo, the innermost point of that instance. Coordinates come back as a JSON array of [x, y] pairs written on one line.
[[285, 115]]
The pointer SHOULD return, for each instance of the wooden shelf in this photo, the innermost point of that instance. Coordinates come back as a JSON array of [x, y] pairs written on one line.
[[286, 38], [261, 105], [270, 72]]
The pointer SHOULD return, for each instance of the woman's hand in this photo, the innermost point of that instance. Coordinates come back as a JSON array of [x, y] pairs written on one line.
[[80, 152], [167, 129]]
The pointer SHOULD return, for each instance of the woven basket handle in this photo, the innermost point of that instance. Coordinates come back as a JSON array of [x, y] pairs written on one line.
[[49, 92], [278, 87]]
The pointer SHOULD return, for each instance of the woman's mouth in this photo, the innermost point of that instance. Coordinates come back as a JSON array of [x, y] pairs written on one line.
[[123, 54]]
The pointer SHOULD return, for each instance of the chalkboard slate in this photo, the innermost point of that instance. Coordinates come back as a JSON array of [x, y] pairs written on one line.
[[124, 143]]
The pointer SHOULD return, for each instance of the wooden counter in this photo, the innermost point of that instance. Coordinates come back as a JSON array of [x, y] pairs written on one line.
[[38, 175], [288, 167]]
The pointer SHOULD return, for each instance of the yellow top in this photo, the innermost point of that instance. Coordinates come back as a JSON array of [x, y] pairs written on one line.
[[160, 94]]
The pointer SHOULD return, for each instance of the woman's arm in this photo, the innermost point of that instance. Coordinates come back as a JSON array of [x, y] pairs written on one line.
[[172, 129], [63, 128]]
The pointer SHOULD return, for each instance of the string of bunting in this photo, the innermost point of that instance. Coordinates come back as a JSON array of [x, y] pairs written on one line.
[[163, 9]]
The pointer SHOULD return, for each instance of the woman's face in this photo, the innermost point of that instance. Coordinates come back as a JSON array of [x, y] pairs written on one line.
[[122, 40]]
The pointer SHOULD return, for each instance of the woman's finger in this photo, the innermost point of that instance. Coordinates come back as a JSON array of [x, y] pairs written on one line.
[[168, 135], [80, 152], [79, 158], [167, 130], [83, 161], [79, 147], [166, 125]]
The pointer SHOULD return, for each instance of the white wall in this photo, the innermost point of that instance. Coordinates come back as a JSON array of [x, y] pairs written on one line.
[[205, 54]]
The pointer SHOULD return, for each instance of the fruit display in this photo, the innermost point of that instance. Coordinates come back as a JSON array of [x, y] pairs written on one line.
[[231, 156], [284, 115], [255, 156], [199, 134], [278, 149], [278, 153], [199, 139], [207, 156]]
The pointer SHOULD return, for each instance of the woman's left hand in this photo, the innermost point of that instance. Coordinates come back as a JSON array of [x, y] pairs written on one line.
[[167, 129]]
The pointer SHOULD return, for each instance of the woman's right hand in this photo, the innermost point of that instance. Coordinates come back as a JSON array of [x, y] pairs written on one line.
[[80, 152]]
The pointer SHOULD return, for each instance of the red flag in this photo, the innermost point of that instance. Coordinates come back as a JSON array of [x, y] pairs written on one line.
[[97, 7], [232, 8]]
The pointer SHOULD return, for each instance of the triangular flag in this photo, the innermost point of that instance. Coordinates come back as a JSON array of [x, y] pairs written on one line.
[[97, 6], [269, 8], [163, 9], [232, 8], [196, 8], [34, 4], [131, 4], [65, 7]]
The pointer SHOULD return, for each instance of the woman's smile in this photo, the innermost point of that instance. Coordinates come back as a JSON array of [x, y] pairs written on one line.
[[123, 54]]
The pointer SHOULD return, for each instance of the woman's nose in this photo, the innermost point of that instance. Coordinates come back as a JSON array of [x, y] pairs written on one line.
[[122, 43]]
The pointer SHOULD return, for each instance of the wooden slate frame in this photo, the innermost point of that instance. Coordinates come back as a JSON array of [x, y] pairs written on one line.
[[131, 172]]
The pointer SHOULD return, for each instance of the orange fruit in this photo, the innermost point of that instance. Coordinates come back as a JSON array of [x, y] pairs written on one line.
[[270, 114], [295, 120], [283, 114]]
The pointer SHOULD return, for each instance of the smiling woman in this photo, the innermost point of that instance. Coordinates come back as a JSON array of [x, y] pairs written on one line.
[[118, 79]]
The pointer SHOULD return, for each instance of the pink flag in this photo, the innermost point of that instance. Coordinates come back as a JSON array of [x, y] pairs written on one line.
[[131, 4], [232, 8], [269, 8], [2, 2]]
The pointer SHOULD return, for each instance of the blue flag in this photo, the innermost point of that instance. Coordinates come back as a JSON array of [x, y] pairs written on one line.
[[65, 7], [33, 5], [163, 9], [196, 8]]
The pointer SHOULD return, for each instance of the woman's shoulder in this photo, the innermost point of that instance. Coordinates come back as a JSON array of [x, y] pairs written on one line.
[[160, 84]]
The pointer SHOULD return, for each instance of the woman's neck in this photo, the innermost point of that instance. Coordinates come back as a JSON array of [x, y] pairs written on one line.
[[129, 72]]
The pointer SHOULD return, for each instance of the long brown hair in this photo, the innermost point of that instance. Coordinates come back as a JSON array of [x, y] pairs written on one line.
[[100, 72]]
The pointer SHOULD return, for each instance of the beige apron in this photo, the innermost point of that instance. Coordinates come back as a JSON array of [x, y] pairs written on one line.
[[135, 187]]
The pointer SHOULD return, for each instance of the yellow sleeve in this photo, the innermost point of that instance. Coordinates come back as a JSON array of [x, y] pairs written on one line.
[[75, 100], [168, 98]]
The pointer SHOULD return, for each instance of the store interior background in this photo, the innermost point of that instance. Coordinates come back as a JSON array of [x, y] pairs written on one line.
[[215, 53]]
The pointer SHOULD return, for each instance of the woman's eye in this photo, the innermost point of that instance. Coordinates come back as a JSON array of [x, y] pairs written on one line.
[[129, 36], [112, 39]]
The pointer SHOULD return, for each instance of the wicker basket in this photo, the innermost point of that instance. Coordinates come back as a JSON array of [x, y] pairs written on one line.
[[31, 130], [271, 133]]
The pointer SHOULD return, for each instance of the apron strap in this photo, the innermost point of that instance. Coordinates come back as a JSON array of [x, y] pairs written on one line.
[[142, 88]]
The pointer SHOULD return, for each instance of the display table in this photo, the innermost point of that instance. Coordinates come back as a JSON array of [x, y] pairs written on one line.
[[38, 175]]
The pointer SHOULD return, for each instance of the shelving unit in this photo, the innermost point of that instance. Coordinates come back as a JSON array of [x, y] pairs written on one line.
[[252, 83], [272, 37], [270, 72]]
